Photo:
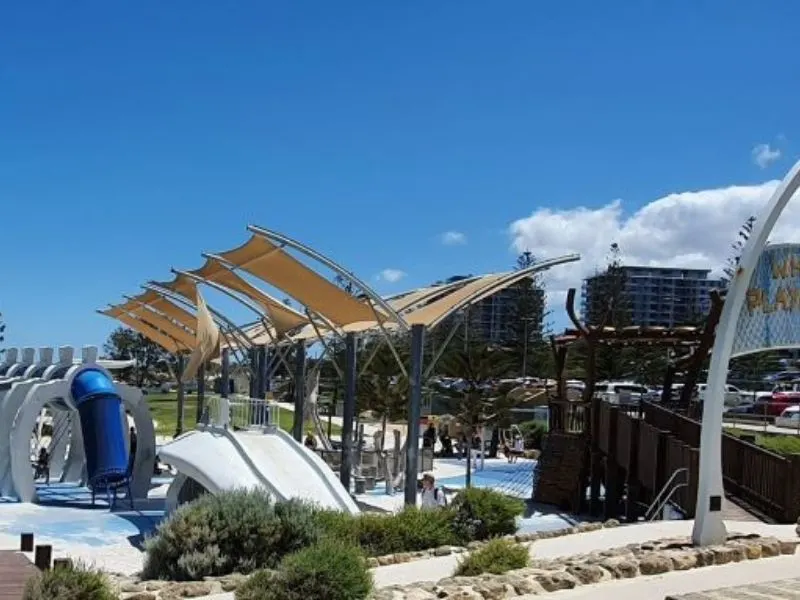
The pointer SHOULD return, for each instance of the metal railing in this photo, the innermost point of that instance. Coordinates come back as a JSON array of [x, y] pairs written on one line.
[[666, 493], [242, 412]]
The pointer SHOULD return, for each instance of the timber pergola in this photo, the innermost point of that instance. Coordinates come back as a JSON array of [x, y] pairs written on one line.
[[329, 311]]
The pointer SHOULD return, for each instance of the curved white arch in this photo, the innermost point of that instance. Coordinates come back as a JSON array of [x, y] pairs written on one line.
[[709, 527], [40, 395], [37, 396]]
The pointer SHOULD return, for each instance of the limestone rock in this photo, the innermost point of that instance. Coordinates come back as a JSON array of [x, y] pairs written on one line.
[[621, 567], [611, 523], [140, 596], [373, 562], [722, 554], [443, 551], [788, 546], [556, 580], [655, 563], [189, 589], [386, 560], [588, 574], [682, 561], [155, 585], [770, 547]]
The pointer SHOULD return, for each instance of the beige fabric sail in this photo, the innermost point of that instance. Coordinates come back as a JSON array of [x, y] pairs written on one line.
[[284, 318], [162, 304], [172, 329], [267, 261], [207, 340], [148, 331]]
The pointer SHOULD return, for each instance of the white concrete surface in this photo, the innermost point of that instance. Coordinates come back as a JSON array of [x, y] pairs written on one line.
[[774, 429]]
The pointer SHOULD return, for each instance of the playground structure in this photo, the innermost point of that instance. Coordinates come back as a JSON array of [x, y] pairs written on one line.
[[87, 413], [167, 314]]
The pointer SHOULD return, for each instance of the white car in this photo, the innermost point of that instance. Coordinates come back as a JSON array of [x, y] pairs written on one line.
[[790, 418], [621, 392], [733, 395]]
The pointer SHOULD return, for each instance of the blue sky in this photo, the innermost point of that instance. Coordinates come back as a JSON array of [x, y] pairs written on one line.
[[136, 135]]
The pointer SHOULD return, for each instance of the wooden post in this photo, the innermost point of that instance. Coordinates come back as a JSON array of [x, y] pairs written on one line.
[[634, 485], [613, 480], [43, 556], [26, 542], [62, 563]]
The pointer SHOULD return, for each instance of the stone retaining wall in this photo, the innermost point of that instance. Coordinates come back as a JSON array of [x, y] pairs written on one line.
[[542, 576]]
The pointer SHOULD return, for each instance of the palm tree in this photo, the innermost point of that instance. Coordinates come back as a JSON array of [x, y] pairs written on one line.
[[478, 399]]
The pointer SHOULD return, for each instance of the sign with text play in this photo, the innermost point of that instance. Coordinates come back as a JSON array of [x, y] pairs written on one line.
[[770, 318]]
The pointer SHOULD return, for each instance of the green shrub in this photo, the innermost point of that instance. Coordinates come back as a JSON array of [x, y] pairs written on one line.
[[533, 433], [497, 557], [483, 513], [240, 531], [329, 570], [409, 530], [78, 582], [254, 588]]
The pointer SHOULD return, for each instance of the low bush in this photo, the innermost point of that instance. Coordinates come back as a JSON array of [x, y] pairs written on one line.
[[497, 557], [255, 586], [482, 513], [533, 433], [69, 583], [236, 531], [329, 570], [409, 530]]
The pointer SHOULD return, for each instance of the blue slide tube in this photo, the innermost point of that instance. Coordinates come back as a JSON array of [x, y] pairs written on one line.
[[100, 409]]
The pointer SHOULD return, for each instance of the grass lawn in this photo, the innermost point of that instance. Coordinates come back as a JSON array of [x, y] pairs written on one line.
[[777, 443], [164, 408]]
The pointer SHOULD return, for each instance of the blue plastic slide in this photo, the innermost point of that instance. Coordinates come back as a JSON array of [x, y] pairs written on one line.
[[100, 409]]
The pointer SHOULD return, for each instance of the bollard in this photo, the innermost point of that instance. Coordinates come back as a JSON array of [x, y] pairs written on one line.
[[62, 563], [26, 542], [43, 557]]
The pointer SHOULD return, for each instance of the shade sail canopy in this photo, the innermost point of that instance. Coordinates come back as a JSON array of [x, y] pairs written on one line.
[[432, 314], [147, 315], [283, 318], [148, 331], [267, 261], [161, 304], [182, 285]]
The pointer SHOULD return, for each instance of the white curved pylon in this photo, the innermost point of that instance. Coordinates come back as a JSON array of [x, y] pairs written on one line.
[[709, 528]]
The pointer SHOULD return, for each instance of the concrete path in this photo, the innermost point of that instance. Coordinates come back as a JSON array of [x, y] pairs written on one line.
[[688, 582]]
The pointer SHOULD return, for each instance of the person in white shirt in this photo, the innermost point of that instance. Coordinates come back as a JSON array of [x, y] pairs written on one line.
[[431, 496]]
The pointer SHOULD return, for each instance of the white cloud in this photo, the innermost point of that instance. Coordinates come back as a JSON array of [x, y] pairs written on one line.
[[453, 238], [764, 155], [391, 275], [687, 229]]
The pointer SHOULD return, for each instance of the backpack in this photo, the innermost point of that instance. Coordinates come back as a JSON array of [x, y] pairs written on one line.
[[436, 492]]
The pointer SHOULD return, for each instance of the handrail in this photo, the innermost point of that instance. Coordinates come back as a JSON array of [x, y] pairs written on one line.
[[659, 503]]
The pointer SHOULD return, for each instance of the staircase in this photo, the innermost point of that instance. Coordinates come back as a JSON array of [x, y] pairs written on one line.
[[559, 477]]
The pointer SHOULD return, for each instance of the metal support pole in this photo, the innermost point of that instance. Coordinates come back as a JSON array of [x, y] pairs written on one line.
[[261, 379], [348, 415], [252, 356], [299, 390], [414, 412], [181, 395], [201, 392], [225, 374]]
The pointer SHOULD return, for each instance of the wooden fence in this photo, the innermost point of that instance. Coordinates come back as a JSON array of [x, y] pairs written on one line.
[[766, 480]]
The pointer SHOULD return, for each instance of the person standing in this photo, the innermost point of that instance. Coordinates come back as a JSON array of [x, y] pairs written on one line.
[[431, 497]]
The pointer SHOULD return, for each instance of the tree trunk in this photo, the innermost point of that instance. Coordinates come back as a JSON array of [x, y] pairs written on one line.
[[468, 476]]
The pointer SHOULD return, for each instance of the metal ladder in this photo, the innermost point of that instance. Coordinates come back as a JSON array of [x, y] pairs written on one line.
[[666, 493]]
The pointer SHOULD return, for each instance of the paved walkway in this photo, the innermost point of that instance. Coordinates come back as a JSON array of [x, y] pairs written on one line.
[[771, 590]]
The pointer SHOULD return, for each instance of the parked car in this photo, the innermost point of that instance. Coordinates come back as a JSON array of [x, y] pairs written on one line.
[[790, 417], [622, 392]]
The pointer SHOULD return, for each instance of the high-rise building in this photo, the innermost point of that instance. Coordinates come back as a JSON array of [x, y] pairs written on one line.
[[496, 316], [652, 296]]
